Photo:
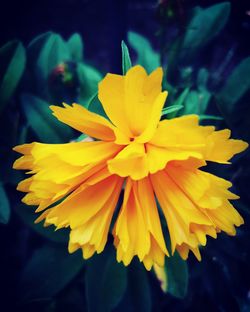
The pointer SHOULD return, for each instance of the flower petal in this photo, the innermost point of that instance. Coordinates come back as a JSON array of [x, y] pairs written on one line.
[[87, 200], [221, 149], [131, 101], [139, 212], [79, 118], [60, 168], [94, 232], [131, 161], [180, 212]]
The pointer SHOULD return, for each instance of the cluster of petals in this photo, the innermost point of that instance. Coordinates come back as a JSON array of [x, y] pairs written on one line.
[[153, 165]]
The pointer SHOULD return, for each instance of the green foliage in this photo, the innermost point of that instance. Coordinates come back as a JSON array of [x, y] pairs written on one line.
[[95, 106], [4, 206], [28, 216], [49, 270], [88, 78], [171, 109], [52, 51], [204, 26], [126, 61], [12, 64], [75, 46], [44, 124], [106, 282], [209, 117], [138, 287], [146, 56], [236, 86], [177, 276]]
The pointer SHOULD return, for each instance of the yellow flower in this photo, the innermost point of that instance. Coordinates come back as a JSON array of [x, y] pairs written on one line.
[[77, 184]]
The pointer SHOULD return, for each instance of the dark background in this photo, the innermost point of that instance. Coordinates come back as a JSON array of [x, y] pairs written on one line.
[[103, 24]]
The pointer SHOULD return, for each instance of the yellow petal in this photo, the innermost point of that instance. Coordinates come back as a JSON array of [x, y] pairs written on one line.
[[131, 161], [87, 201], [85, 121], [150, 212], [131, 242], [133, 102], [221, 149], [183, 133], [178, 209], [94, 232]]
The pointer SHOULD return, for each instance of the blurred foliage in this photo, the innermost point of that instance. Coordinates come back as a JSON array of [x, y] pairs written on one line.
[[52, 70]]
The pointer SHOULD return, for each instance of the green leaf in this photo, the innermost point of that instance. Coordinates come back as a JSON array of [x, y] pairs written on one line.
[[106, 282], [146, 56], [196, 102], [236, 86], [75, 46], [95, 106], [88, 78], [4, 206], [202, 79], [181, 98], [126, 61], [179, 102], [171, 109], [12, 65], [49, 270], [39, 117], [211, 117], [28, 216], [81, 137], [139, 289], [47, 51], [203, 27], [177, 276]]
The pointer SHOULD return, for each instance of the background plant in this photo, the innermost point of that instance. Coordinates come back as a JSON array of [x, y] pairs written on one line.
[[50, 70]]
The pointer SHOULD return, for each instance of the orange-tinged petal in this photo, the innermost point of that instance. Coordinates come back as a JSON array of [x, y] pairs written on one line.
[[178, 209], [85, 121], [94, 232], [139, 212], [87, 201]]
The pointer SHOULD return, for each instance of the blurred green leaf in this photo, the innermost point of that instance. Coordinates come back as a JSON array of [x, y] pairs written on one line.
[[95, 106], [171, 109], [47, 128], [88, 78], [4, 206], [81, 137], [49, 270], [28, 216], [203, 27], [177, 276], [126, 61], [181, 98], [202, 79], [139, 288], [210, 117], [12, 65], [75, 46], [196, 102], [236, 86], [146, 56], [106, 282], [46, 52]]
